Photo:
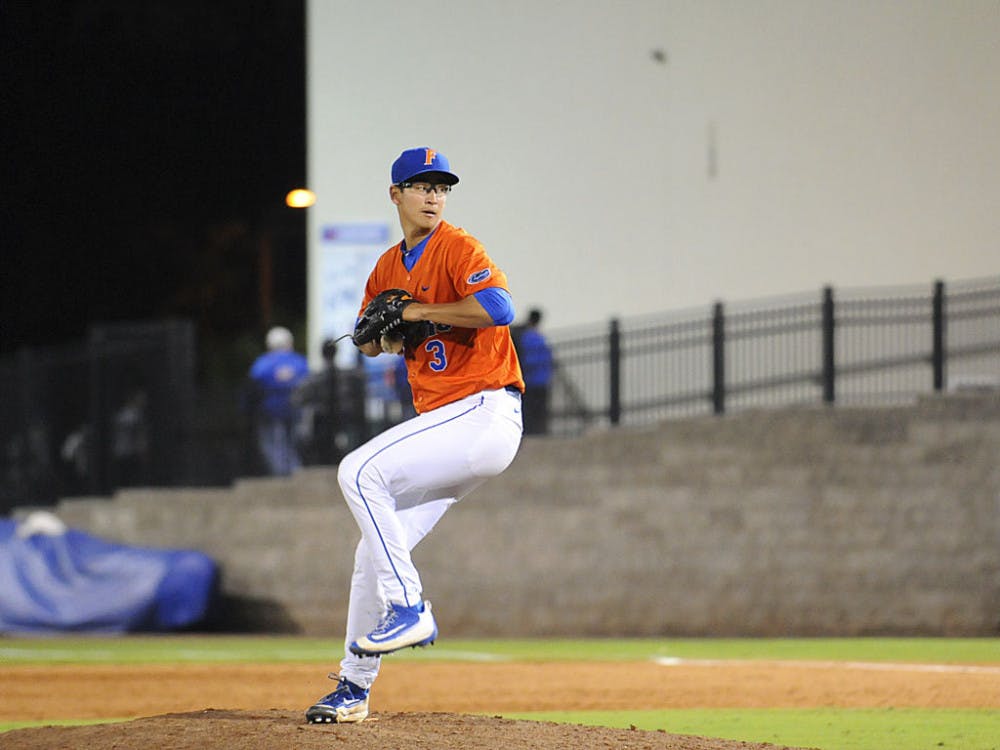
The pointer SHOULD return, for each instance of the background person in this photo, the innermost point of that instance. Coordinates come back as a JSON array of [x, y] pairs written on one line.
[[274, 376], [536, 363], [401, 387], [319, 399]]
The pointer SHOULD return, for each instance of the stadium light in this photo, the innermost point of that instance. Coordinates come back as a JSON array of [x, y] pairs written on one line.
[[300, 198]]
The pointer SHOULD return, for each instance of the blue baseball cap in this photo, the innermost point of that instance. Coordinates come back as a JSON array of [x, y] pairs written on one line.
[[420, 161]]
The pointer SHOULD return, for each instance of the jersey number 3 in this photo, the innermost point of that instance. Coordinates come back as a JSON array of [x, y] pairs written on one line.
[[436, 349]]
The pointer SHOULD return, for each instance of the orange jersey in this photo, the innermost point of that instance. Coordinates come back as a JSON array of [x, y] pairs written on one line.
[[454, 362]]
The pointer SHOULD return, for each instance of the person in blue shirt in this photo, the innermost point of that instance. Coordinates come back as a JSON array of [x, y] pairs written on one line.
[[274, 376], [536, 366], [401, 385]]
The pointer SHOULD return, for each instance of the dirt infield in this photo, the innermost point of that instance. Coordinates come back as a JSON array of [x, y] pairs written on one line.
[[280, 730], [428, 704]]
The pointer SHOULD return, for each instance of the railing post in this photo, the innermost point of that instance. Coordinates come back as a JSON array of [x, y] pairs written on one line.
[[615, 373], [829, 362], [718, 359], [97, 447], [938, 354]]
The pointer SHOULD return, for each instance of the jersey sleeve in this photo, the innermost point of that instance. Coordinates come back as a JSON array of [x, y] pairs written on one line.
[[476, 271], [498, 303]]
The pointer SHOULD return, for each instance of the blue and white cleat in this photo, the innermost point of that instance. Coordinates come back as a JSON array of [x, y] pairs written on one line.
[[401, 627], [348, 703]]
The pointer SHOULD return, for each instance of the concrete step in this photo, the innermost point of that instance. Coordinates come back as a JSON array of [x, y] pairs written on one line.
[[314, 486]]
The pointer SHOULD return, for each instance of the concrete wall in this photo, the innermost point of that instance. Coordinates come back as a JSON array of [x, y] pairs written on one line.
[[803, 521]]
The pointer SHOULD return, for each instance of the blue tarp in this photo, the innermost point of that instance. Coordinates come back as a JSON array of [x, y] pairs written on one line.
[[70, 581]]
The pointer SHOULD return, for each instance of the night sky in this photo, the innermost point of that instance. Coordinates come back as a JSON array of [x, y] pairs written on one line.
[[148, 146]]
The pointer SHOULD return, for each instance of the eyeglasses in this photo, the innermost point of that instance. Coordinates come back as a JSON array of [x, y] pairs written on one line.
[[427, 188]]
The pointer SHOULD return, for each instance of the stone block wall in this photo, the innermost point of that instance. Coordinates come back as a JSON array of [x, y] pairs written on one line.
[[798, 521]]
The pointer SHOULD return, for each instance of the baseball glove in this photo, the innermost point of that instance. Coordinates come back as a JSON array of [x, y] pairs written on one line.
[[383, 317]]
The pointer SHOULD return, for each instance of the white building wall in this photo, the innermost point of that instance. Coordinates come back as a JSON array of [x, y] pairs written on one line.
[[779, 145]]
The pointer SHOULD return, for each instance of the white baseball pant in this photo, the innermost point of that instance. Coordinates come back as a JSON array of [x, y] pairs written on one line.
[[400, 483]]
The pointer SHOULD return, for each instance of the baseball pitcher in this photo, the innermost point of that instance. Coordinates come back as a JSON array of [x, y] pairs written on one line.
[[439, 301]]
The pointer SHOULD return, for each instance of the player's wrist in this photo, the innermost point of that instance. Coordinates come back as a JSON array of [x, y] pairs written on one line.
[[414, 313]]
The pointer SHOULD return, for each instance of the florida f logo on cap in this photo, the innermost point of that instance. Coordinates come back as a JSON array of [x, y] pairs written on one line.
[[424, 162]]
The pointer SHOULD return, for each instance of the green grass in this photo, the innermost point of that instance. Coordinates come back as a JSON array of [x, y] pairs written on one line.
[[212, 649], [827, 729], [921, 650], [824, 728]]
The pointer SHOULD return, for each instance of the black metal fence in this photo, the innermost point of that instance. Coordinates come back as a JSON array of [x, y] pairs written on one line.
[[853, 346], [84, 418], [122, 407]]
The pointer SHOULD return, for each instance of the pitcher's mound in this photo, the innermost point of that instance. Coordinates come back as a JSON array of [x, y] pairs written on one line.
[[280, 730]]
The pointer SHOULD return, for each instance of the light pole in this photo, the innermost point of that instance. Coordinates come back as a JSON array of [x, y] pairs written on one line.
[[276, 223]]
